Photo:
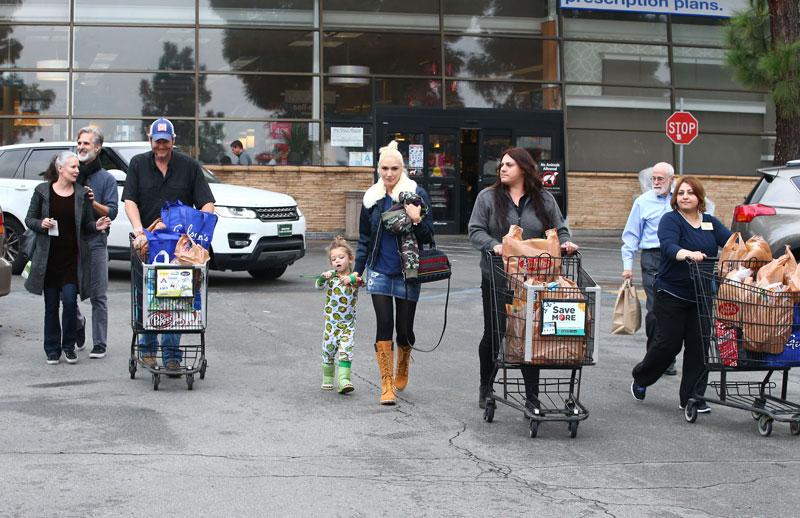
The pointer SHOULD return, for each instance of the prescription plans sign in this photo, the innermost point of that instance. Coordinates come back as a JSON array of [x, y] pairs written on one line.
[[714, 8]]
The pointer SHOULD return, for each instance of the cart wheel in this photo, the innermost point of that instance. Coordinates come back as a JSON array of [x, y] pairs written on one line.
[[573, 429], [488, 413], [765, 425], [534, 428], [132, 367], [690, 412], [189, 381], [794, 426], [156, 380], [203, 369]]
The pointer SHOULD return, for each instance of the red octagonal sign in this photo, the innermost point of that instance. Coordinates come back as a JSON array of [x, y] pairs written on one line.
[[682, 128]]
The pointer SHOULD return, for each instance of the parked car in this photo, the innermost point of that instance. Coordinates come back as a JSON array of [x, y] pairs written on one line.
[[772, 209], [259, 231], [5, 266]]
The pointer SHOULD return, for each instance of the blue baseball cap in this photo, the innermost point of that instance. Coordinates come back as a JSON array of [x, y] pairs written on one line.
[[162, 129]]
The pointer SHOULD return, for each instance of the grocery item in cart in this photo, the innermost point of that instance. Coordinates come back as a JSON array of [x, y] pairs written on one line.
[[514, 351], [778, 270], [184, 219], [732, 295], [535, 257], [734, 250], [727, 343], [159, 243], [758, 252], [188, 252], [767, 319]]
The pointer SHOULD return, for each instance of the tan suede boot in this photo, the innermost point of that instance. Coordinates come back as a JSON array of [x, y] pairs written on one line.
[[385, 357], [403, 359]]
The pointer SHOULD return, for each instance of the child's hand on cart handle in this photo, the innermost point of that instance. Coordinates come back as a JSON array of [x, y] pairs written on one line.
[[569, 247]]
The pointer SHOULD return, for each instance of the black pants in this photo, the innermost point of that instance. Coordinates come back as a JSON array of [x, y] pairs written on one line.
[[487, 348], [681, 328]]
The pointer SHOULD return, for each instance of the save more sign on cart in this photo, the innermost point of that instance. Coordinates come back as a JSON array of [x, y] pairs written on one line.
[[563, 318]]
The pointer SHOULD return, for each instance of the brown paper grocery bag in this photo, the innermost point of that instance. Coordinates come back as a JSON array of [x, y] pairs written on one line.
[[627, 310], [532, 257], [734, 250]]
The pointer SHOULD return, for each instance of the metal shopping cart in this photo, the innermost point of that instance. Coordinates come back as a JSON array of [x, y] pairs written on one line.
[[544, 313], [746, 330], [168, 299]]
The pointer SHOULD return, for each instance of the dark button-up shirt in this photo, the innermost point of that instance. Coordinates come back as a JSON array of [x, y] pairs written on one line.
[[149, 189]]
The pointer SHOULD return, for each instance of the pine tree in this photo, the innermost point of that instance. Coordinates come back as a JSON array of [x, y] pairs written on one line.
[[764, 54]]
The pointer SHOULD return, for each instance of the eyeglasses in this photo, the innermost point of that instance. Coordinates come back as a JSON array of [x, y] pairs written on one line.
[[658, 179]]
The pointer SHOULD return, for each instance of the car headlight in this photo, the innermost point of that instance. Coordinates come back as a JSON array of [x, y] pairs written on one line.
[[234, 212], [299, 212]]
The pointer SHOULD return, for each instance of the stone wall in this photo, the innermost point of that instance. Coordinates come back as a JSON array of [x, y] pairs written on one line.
[[596, 200]]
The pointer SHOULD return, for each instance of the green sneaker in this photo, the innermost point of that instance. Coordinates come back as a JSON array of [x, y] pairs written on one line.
[[327, 376], [345, 385]]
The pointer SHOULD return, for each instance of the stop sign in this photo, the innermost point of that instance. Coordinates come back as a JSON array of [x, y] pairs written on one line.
[[682, 127]]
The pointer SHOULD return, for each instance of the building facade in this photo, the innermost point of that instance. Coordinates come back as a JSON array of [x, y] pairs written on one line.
[[325, 82]]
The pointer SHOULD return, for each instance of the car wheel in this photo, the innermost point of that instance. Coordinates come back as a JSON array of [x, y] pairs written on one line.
[[267, 274], [12, 244]]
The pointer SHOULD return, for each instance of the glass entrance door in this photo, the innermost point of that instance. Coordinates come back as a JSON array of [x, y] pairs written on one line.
[[453, 154]]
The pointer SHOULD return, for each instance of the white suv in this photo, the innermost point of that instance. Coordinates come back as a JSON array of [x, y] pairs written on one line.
[[260, 231]]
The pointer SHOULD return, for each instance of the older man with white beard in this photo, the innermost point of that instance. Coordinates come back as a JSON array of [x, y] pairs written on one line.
[[641, 233], [101, 187]]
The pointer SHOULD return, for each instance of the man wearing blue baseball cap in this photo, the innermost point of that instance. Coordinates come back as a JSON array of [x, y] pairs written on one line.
[[156, 177]]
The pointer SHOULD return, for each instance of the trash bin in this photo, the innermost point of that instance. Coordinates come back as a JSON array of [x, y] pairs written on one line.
[[352, 211]]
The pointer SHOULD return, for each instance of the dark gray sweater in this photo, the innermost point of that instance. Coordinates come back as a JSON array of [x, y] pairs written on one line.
[[484, 230]]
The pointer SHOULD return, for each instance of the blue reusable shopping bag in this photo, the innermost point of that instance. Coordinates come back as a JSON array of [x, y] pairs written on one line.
[[183, 219], [790, 357], [159, 244]]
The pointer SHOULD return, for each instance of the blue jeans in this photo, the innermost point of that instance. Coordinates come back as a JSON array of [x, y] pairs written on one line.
[[170, 346], [57, 339]]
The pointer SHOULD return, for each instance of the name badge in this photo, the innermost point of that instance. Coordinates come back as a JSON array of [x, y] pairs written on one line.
[[706, 225]]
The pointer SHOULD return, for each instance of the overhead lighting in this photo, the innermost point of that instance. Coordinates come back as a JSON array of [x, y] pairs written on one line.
[[52, 76], [349, 70]]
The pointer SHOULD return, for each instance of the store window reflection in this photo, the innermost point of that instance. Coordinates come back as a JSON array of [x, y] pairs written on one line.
[[379, 14], [263, 12], [488, 94], [501, 58], [134, 94], [380, 53], [493, 148], [268, 96], [224, 50], [109, 48], [413, 93], [509, 16], [19, 130], [33, 93], [442, 155], [135, 11], [268, 143], [342, 144], [26, 46], [35, 10], [347, 97]]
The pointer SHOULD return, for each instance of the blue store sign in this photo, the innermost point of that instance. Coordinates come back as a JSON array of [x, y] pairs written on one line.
[[714, 8]]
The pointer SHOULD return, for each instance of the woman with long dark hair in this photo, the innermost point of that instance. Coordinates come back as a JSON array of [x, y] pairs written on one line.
[[516, 198], [61, 215]]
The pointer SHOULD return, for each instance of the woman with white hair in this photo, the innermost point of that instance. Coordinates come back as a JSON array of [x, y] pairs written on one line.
[[393, 298], [61, 215]]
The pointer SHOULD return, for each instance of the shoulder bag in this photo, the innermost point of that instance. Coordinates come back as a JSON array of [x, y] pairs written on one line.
[[434, 266]]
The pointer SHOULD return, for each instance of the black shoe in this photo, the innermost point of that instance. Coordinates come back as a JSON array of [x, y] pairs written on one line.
[[531, 404], [80, 334], [53, 359], [70, 356], [97, 352], [702, 408], [671, 370], [637, 391], [484, 391]]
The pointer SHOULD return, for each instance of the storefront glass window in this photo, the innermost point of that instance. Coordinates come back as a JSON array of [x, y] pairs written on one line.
[[412, 147], [267, 143], [493, 148], [442, 197], [644, 112], [382, 53], [616, 151], [109, 48], [347, 96], [35, 10], [378, 14], [27, 46], [258, 96], [519, 96], [501, 58], [742, 156], [598, 25], [618, 63], [442, 155], [149, 94], [264, 12], [225, 50], [135, 11], [743, 112], [699, 30], [341, 144], [539, 147], [509, 16], [33, 93], [132, 130], [702, 68], [17, 130], [412, 93]]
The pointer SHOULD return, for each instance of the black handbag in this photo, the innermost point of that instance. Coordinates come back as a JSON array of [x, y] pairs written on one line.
[[28, 243]]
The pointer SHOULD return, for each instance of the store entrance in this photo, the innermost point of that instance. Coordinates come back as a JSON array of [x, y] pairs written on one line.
[[454, 154]]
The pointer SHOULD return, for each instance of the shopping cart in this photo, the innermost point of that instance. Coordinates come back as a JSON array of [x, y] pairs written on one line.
[[169, 299], [544, 313], [746, 330]]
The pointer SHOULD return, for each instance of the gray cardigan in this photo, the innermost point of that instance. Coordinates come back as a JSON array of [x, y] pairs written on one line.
[[84, 225], [485, 233]]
